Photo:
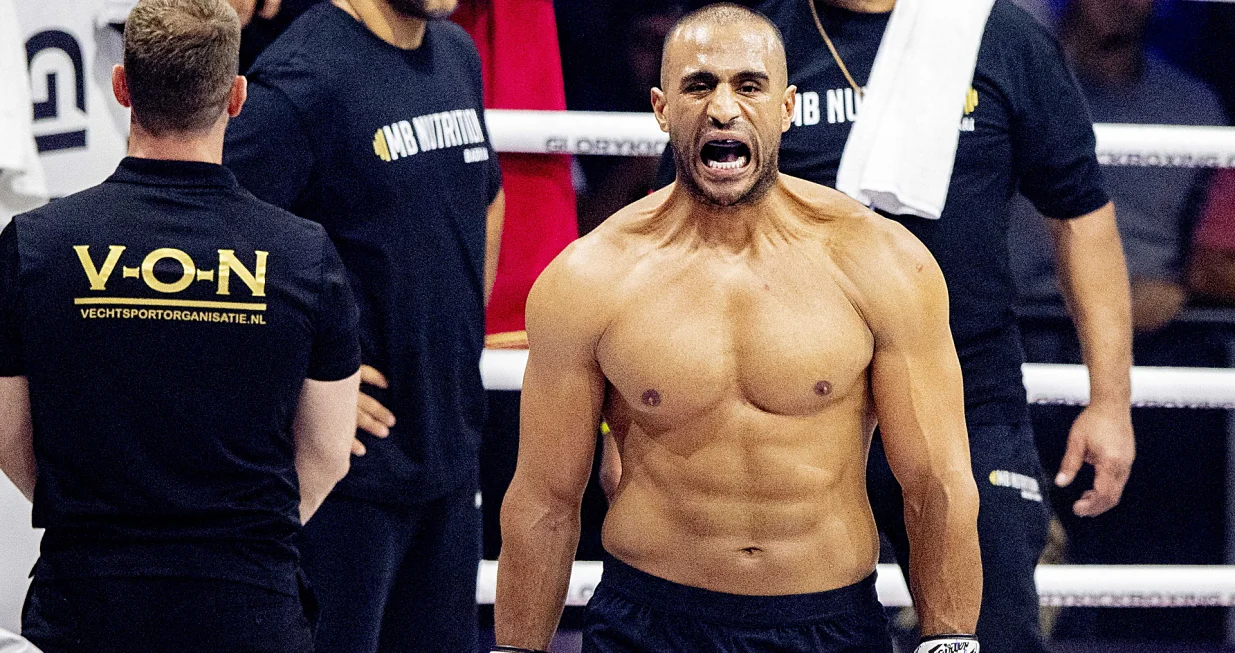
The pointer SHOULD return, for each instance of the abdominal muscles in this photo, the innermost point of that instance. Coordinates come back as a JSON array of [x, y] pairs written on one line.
[[747, 502]]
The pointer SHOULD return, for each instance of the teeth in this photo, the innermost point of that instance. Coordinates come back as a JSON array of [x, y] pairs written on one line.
[[731, 165]]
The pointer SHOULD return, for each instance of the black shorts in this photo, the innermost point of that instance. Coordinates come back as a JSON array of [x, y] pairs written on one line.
[[633, 611], [157, 615]]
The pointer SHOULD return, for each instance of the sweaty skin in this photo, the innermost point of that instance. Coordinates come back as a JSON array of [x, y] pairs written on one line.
[[741, 334]]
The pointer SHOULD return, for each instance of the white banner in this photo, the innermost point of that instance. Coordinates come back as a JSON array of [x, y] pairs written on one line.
[[80, 128]]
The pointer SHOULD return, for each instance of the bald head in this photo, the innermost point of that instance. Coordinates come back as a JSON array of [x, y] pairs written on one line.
[[757, 32], [724, 100]]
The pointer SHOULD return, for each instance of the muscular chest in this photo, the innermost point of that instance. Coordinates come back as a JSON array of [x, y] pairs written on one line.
[[782, 338]]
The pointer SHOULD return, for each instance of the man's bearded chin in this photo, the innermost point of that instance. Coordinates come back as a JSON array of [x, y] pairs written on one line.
[[683, 161], [416, 9]]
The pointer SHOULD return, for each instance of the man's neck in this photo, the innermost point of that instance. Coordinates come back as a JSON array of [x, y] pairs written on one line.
[[206, 147], [731, 228], [863, 6], [400, 30]]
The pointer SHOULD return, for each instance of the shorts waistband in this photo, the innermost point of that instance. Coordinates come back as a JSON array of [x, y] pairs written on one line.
[[736, 609]]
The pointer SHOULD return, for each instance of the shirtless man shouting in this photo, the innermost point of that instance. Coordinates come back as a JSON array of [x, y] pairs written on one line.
[[742, 332]]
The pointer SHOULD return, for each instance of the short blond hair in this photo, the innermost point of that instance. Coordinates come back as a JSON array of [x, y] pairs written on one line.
[[180, 59]]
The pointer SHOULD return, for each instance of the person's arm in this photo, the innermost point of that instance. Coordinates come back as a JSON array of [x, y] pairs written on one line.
[[17, 435], [331, 391], [324, 430], [920, 406], [16, 431], [494, 220], [1094, 280], [1057, 169], [268, 147], [563, 389]]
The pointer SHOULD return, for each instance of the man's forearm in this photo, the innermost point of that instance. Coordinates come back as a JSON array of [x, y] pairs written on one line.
[[1093, 277], [538, 552], [495, 221], [318, 473], [20, 468], [941, 519], [17, 435]]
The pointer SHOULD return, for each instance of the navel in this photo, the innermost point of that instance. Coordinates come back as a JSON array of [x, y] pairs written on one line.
[[651, 398], [823, 388]]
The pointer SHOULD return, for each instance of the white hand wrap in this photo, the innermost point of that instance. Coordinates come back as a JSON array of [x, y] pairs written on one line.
[[949, 644]]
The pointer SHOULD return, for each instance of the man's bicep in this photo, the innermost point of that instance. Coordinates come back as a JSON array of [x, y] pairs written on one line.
[[268, 147], [916, 383], [559, 414], [563, 386]]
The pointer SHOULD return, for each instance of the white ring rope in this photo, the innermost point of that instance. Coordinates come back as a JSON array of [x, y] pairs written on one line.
[[1101, 586], [1152, 387], [637, 134]]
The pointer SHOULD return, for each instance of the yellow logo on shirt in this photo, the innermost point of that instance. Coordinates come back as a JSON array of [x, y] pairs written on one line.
[[179, 271], [426, 133], [98, 276], [971, 100]]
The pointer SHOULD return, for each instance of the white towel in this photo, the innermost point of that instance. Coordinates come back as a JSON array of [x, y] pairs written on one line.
[[22, 184], [900, 152], [10, 643]]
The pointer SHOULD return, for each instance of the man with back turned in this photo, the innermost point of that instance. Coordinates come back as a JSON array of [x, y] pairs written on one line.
[[178, 374], [744, 333]]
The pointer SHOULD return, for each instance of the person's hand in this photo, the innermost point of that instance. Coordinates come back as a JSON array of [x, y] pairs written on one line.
[[1101, 436], [245, 9], [371, 415]]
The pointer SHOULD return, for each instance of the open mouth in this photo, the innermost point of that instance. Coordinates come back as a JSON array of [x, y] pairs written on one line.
[[725, 154]]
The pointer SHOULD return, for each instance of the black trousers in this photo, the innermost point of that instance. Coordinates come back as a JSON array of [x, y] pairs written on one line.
[[176, 615], [1012, 527], [398, 579]]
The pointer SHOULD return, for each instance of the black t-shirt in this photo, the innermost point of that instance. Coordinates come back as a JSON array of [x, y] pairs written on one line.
[[166, 321], [387, 149], [1027, 126]]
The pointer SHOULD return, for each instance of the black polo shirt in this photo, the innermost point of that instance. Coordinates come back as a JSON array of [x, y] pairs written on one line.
[[387, 149], [1026, 126], [166, 321]]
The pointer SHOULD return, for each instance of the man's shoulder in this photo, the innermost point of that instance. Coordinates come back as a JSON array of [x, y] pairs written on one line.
[[278, 218], [82, 205], [594, 266], [875, 253], [314, 47], [1011, 31], [281, 227], [1008, 20]]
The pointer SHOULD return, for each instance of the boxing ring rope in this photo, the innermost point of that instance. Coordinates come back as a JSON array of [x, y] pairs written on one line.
[[1058, 585], [637, 134], [1068, 385], [1094, 586]]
